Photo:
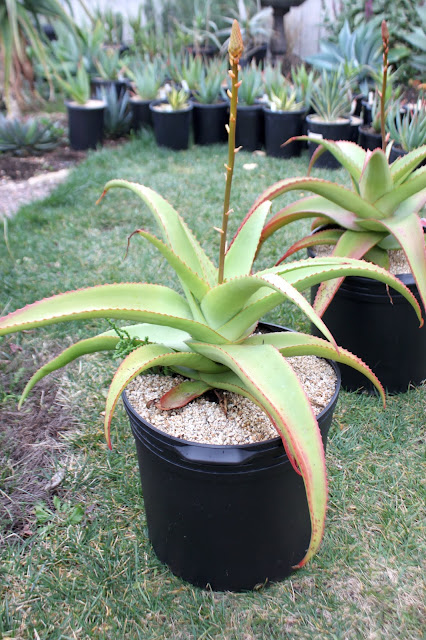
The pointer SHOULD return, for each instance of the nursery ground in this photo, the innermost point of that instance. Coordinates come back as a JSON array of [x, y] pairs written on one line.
[[75, 560]]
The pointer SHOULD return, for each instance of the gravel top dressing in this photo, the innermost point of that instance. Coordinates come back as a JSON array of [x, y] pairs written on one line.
[[231, 420]]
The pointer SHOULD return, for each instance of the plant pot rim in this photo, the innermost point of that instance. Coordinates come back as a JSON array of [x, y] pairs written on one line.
[[92, 104], [313, 117], [268, 109], [207, 105], [137, 99], [154, 104], [263, 444]]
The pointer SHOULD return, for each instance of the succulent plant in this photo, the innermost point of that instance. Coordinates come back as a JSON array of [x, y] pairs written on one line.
[[206, 333], [117, 115], [251, 85], [177, 99], [381, 212], [209, 88], [407, 128], [331, 96], [147, 77], [29, 137]]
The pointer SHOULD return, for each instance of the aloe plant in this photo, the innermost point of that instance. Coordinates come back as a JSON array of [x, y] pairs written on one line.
[[381, 211], [206, 334]]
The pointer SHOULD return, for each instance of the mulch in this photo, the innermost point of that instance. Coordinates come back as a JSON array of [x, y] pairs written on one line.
[[22, 168]]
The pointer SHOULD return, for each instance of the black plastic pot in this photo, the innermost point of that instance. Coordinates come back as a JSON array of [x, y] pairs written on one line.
[[85, 124], [209, 122], [368, 138], [99, 83], [279, 127], [141, 115], [171, 128], [249, 132], [340, 130], [230, 517], [356, 122], [380, 327], [396, 152]]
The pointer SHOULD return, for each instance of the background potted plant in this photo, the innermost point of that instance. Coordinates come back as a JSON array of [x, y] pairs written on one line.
[[172, 119], [147, 77], [110, 67], [85, 115], [331, 99], [210, 107], [206, 334], [284, 115], [250, 126], [381, 213], [406, 128]]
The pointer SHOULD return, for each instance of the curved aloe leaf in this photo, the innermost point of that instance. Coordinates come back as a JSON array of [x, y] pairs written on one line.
[[224, 302], [173, 228], [409, 233], [81, 348], [167, 336], [131, 301], [307, 208], [195, 284], [350, 155], [336, 193], [404, 166], [243, 248], [292, 343], [352, 244], [182, 394], [272, 381], [142, 359], [390, 201], [328, 236], [376, 179]]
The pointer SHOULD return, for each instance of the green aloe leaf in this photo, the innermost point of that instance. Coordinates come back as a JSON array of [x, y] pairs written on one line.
[[175, 232], [308, 208], [404, 166], [242, 250], [195, 284], [327, 236], [389, 202], [272, 381], [352, 244], [139, 302], [292, 343], [343, 197], [409, 233], [350, 155], [142, 359], [376, 179], [81, 348]]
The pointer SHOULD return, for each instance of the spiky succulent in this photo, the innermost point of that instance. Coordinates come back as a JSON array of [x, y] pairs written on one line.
[[206, 334], [29, 137]]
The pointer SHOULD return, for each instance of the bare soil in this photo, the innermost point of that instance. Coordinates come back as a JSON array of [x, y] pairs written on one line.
[[22, 168]]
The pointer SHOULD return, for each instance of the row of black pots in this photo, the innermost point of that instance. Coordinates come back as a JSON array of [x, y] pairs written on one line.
[[206, 511]]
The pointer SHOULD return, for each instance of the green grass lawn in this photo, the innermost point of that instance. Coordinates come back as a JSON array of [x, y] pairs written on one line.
[[82, 567]]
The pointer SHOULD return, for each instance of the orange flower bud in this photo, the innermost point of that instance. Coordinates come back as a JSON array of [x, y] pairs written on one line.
[[236, 45], [385, 32]]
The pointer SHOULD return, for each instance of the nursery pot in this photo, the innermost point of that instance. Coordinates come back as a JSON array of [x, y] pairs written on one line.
[[379, 326], [100, 83], [368, 138], [171, 128], [209, 122], [141, 115], [317, 128], [279, 127], [249, 130], [229, 517], [85, 124]]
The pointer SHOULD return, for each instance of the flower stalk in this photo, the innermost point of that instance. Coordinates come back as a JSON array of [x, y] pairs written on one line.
[[385, 40], [235, 50]]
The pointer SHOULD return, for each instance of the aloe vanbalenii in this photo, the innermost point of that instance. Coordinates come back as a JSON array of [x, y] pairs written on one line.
[[206, 333], [380, 212]]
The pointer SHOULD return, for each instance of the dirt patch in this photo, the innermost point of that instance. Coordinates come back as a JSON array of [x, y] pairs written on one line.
[[18, 168], [30, 443]]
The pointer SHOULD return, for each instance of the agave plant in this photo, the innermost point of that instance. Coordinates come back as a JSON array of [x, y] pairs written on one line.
[[29, 137], [206, 333], [380, 212]]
